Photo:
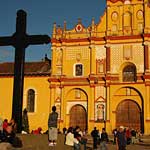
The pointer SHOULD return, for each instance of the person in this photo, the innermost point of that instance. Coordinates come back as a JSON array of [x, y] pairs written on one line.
[[9, 136], [104, 139], [1, 125], [133, 136], [5, 124], [139, 134], [77, 135], [52, 126], [13, 124], [37, 131], [128, 135], [94, 134], [121, 139], [114, 133], [25, 122], [99, 137], [64, 130], [82, 137], [77, 140], [69, 139]]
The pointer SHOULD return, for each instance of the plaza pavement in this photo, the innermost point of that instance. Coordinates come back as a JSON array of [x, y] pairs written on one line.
[[40, 142]]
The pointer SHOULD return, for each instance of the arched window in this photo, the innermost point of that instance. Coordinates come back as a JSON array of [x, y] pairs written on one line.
[[30, 100], [129, 73]]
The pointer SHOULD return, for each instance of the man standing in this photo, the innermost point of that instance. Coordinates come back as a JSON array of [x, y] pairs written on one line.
[[104, 139], [52, 127], [94, 134], [121, 139], [133, 136]]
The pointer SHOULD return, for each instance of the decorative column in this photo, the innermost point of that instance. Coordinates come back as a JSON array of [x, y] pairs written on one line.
[[92, 60], [52, 97], [107, 58], [107, 103], [91, 108], [148, 103], [63, 60], [62, 109], [146, 58], [53, 53]]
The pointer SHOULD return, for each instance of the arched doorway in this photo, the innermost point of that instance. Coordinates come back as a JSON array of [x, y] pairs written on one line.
[[128, 114], [78, 117]]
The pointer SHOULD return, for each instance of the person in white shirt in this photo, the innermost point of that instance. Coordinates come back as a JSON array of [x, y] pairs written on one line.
[[70, 139]]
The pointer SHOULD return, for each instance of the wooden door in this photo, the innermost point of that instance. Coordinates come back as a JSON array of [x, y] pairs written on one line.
[[78, 117], [128, 114]]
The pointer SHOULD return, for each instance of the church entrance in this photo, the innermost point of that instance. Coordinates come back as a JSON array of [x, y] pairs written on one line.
[[78, 117], [128, 114]]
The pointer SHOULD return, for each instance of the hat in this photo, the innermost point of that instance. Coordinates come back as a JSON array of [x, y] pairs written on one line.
[[121, 127]]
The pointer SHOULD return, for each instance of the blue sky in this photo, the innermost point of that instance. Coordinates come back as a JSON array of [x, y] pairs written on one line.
[[41, 14]]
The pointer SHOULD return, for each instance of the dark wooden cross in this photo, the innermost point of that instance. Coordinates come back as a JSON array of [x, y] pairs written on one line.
[[20, 40]]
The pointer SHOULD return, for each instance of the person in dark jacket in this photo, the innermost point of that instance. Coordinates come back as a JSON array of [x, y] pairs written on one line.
[[121, 139], [52, 126], [94, 134], [133, 136], [104, 139]]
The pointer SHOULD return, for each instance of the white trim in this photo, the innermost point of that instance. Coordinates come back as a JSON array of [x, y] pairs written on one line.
[[71, 104], [25, 99], [74, 68]]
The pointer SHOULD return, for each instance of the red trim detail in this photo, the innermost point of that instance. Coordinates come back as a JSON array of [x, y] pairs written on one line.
[[54, 40], [114, 1]]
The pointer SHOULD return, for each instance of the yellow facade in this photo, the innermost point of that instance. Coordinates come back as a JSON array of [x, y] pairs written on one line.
[[40, 85], [100, 75], [103, 68]]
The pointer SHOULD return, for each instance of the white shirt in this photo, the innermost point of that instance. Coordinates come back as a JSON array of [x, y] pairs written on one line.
[[69, 139]]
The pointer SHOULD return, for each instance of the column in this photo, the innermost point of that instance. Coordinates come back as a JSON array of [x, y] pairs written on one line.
[[52, 98], [62, 110], [91, 108], [147, 102], [63, 60], [107, 59], [92, 60], [53, 53], [146, 58], [107, 103]]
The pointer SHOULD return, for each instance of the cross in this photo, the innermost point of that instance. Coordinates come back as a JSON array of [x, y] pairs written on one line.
[[20, 40]]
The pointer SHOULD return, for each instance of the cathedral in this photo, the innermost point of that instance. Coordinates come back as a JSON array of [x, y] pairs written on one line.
[[99, 75]]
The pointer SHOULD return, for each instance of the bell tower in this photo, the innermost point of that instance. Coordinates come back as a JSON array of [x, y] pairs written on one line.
[[125, 17]]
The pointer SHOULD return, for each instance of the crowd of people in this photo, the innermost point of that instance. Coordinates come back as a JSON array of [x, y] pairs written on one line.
[[8, 131], [74, 137], [122, 137], [99, 137]]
